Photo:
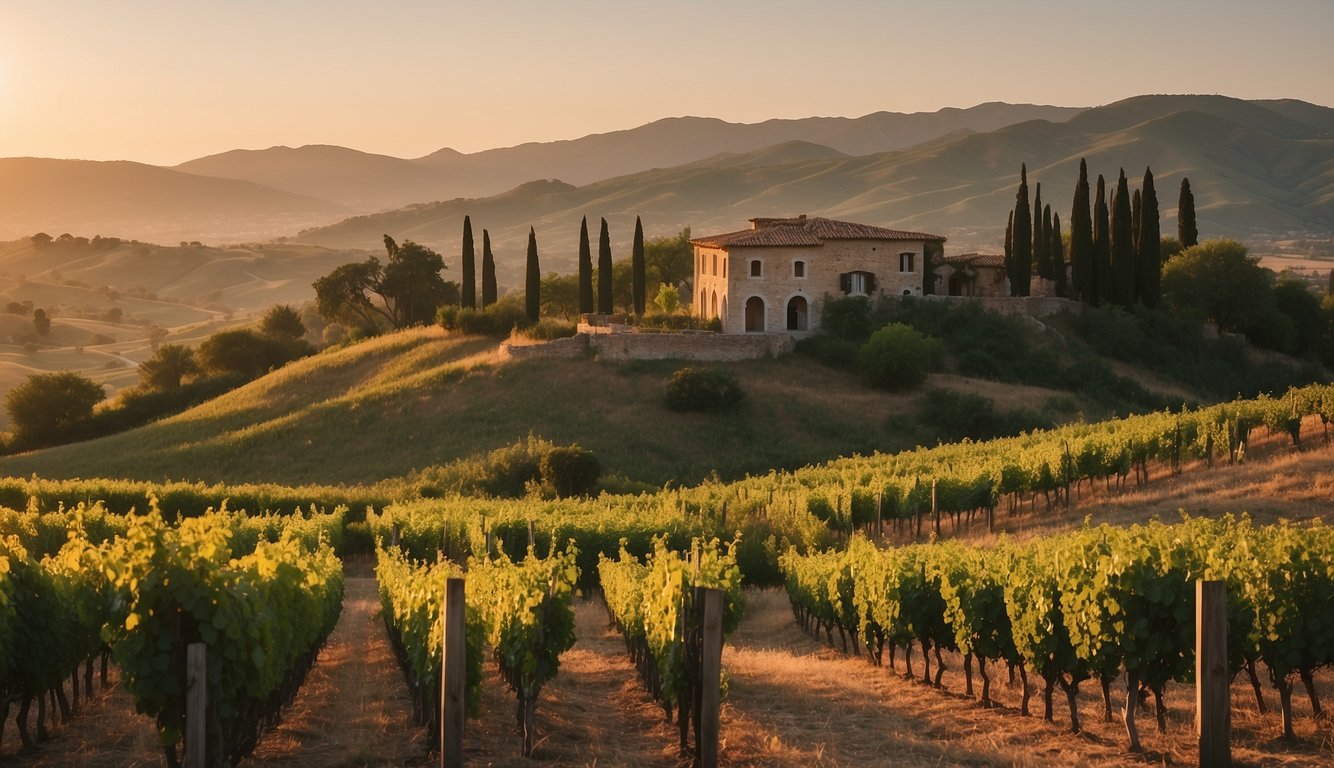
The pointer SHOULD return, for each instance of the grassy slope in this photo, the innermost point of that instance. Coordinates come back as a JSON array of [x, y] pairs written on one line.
[[419, 398]]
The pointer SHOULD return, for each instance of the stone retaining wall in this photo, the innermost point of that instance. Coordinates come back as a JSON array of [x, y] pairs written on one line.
[[683, 345]]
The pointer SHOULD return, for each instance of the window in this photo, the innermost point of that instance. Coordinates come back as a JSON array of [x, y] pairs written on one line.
[[857, 283], [756, 268], [724, 266], [715, 263], [798, 269], [907, 262]]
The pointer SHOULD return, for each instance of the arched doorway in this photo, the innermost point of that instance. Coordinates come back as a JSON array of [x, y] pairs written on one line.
[[796, 313], [703, 303], [755, 315], [961, 283], [713, 305]]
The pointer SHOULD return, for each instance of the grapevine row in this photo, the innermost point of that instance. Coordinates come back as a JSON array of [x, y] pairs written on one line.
[[653, 605], [1084, 606], [521, 609]]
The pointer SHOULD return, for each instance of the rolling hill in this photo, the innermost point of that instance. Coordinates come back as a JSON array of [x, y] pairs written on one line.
[[146, 202], [1255, 172]]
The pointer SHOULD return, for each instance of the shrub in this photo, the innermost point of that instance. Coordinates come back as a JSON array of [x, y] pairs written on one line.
[[898, 358], [496, 320], [847, 318], [51, 408], [697, 389], [570, 471], [548, 328], [832, 351]]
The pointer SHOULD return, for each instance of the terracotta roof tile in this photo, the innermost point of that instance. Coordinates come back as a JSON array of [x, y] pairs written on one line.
[[804, 231], [976, 259]]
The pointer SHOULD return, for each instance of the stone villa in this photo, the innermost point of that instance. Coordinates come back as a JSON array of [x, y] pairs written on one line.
[[774, 276]]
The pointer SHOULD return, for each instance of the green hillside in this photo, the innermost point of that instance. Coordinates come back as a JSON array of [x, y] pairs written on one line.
[[406, 401]]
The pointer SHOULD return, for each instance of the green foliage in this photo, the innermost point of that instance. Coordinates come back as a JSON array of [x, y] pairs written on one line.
[[1217, 281], [956, 416], [669, 260], [1082, 270], [488, 272], [497, 319], [532, 295], [468, 260], [668, 300], [549, 328], [282, 322], [605, 290], [1187, 233], [570, 471], [1122, 244], [560, 296], [703, 390], [898, 358], [1295, 301], [847, 318], [639, 281], [1148, 245], [246, 353], [1020, 263], [176, 586], [406, 290], [51, 408], [168, 365], [585, 269], [41, 322]]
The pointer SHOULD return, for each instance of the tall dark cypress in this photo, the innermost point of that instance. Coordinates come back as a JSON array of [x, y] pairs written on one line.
[[638, 289], [1040, 265], [468, 291], [488, 272], [1150, 269], [1123, 247], [1021, 272], [1056, 252], [1102, 245], [585, 270], [1009, 245], [1046, 267], [1186, 231], [606, 302], [1082, 273], [532, 287], [1136, 215]]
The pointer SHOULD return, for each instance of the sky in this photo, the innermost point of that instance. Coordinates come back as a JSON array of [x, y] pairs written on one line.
[[165, 81]]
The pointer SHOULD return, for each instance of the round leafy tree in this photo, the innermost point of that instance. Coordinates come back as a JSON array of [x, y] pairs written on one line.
[[898, 358]]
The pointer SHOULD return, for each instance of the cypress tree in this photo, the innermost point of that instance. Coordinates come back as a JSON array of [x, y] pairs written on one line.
[[1123, 248], [1021, 272], [1102, 247], [1056, 252], [1081, 241], [606, 302], [468, 291], [488, 272], [637, 277], [1329, 289], [1009, 246], [585, 270], [1136, 215], [1186, 231], [1150, 269], [1046, 267], [1040, 264], [532, 294]]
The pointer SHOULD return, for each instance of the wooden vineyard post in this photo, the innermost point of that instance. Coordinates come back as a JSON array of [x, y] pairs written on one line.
[[196, 705], [711, 667], [1213, 701], [935, 506], [453, 676]]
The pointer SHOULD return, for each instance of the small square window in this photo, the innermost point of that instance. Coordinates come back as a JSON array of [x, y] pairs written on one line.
[[907, 262]]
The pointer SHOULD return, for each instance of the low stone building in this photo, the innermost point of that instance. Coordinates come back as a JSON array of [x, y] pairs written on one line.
[[775, 275], [972, 274]]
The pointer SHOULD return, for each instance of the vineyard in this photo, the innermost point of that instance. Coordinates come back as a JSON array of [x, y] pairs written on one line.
[[859, 544]]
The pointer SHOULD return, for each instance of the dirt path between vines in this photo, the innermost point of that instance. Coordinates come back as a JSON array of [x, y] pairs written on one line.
[[353, 709]]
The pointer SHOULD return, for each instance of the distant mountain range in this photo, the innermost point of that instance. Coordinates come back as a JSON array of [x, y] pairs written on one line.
[[1261, 170]]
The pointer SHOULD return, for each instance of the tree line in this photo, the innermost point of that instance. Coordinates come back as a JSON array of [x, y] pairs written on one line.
[[1115, 248]]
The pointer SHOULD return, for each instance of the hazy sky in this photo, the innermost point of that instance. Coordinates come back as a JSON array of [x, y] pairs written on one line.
[[165, 81]]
